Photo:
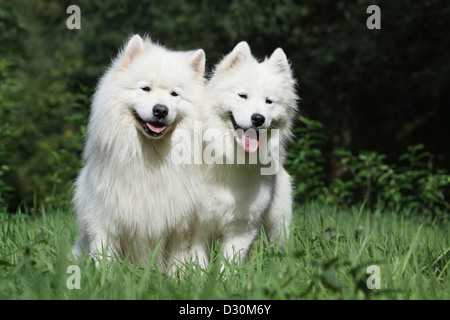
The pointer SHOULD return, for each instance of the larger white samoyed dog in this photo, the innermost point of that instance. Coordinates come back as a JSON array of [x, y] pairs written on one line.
[[252, 107], [130, 197]]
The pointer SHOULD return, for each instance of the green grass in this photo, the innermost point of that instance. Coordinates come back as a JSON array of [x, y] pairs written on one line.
[[326, 258]]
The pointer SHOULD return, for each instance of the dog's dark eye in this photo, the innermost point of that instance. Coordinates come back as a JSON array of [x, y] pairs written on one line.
[[174, 94], [146, 89], [268, 101], [242, 95]]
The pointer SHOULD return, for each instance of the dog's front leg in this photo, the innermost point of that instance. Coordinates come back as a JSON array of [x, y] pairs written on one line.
[[199, 249], [277, 218], [235, 248], [100, 247]]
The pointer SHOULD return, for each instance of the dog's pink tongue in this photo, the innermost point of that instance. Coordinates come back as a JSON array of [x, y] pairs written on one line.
[[250, 144], [155, 129]]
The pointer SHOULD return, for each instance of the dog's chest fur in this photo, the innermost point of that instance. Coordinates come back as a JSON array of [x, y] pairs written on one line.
[[236, 194]]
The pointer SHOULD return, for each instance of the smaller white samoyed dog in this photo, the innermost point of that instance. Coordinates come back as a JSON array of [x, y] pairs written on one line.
[[130, 198], [246, 102]]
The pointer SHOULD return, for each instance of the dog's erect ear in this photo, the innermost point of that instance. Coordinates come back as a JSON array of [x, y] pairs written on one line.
[[197, 62], [133, 48], [280, 61], [239, 54]]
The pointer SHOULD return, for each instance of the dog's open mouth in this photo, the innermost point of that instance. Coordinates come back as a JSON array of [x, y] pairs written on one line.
[[151, 128], [249, 137]]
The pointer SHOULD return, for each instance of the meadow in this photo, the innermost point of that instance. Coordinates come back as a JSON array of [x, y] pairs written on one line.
[[327, 257], [375, 135]]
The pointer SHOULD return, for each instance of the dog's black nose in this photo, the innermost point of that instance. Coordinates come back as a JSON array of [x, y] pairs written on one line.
[[258, 119], [160, 111]]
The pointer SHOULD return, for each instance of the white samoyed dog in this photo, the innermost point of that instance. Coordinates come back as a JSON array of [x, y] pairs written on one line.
[[252, 107], [130, 197]]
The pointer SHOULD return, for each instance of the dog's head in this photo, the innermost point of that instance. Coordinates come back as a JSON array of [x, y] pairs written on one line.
[[158, 86], [251, 96]]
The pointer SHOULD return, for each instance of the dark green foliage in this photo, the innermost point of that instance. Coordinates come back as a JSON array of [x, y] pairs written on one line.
[[306, 161], [377, 90], [7, 133], [411, 184], [10, 56], [67, 159]]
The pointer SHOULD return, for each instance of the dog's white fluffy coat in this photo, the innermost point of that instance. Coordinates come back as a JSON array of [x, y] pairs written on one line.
[[130, 198], [237, 199]]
